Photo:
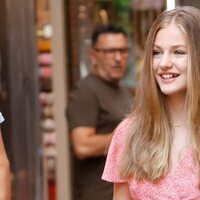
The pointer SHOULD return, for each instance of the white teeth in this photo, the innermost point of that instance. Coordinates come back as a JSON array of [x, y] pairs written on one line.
[[166, 76]]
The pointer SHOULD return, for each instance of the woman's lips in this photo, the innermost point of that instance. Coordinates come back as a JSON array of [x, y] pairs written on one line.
[[168, 75]]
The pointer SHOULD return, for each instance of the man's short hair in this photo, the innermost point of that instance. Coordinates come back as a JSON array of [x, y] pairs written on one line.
[[104, 29]]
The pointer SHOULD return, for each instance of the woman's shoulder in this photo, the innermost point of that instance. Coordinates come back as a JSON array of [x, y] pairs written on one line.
[[111, 170], [119, 135], [122, 128]]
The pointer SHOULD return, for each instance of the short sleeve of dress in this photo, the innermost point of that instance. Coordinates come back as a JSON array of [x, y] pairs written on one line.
[[1, 118], [111, 169]]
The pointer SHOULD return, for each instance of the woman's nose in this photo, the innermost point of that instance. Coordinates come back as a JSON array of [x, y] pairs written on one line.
[[166, 61]]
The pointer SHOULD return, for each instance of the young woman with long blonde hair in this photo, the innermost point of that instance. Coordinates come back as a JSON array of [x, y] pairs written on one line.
[[155, 151]]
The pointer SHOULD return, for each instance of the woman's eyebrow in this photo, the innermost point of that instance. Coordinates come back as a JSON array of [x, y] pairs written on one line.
[[173, 46]]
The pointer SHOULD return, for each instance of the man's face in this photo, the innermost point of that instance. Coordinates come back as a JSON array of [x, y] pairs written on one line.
[[110, 56]]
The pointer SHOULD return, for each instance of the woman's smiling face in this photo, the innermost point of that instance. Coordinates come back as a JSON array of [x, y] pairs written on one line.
[[170, 60]]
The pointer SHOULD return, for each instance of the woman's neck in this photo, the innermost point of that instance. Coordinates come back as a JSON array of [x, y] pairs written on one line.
[[177, 110]]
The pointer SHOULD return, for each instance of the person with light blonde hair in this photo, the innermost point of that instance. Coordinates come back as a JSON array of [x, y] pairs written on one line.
[[155, 151]]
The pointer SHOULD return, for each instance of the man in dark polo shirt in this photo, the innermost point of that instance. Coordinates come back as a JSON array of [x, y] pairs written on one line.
[[96, 106]]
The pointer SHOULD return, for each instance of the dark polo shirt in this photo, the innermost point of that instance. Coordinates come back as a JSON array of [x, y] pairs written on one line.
[[96, 103]]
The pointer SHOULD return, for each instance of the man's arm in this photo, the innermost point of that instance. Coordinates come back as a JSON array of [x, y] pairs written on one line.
[[87, 143], [5, 182]]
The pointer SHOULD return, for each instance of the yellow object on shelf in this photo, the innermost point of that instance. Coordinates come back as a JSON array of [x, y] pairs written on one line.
[[44, 45]]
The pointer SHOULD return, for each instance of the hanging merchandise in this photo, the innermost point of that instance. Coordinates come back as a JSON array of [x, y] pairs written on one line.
[[44, 33], [147, 4]]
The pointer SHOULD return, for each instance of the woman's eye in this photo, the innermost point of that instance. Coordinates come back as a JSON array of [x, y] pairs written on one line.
[[156, 52], [179, 52]]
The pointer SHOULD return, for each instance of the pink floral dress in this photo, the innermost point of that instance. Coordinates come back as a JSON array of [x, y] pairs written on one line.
[[182, 184]]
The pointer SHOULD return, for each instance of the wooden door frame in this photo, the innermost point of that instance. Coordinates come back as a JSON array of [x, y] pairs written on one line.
[[19, 99]]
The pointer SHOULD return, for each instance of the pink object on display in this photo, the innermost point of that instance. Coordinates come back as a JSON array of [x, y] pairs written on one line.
[[46, 98], [50, 138], [45, 72], [45, 58]]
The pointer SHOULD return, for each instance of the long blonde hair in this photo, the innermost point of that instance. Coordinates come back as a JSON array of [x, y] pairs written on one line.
[[148, 144]]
